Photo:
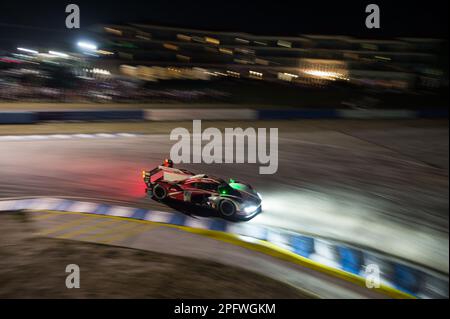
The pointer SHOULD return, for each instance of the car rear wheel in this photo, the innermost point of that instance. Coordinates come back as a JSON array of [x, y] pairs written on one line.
[[159, 192], [227, 208]]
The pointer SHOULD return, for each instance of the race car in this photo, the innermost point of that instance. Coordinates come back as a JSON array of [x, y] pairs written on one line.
[[233, 200]]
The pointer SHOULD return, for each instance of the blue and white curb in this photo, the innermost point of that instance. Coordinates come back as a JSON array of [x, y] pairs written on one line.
[[415, 280], [41, 137]]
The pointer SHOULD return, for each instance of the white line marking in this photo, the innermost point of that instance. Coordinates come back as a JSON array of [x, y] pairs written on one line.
[[106, 135], [60, 136], [83, 135], [126, 134], [64, 136]]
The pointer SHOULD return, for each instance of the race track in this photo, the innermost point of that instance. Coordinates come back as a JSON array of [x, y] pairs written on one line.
[[385, 189]]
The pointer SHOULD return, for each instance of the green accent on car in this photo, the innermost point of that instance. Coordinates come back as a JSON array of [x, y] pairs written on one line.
[[238, 186]]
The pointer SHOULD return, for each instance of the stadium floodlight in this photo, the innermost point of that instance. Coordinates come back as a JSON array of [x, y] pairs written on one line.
[[87, 45], [28, 50]]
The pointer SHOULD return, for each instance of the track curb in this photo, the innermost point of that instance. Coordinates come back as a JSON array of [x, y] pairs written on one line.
[[398, 279]]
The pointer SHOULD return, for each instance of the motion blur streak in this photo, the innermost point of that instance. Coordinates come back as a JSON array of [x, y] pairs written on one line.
[[329, 183]]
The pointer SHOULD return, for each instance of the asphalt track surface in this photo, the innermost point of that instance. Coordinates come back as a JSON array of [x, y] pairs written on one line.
[[154, 237], [128, 258], [386, 189]]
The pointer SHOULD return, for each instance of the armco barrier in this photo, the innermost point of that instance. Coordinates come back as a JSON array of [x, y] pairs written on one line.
[[350, 114], [18, 117], [188, 114], [90, 115], [344, 114], [200, 114], [432, 113], [377, 114], [347, 261], [297, 114]]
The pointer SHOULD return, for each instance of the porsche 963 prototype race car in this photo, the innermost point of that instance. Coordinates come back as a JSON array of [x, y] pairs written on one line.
[[233, 200]]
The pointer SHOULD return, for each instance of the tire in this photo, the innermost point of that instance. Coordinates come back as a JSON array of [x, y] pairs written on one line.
[[159, 192], [227, 208]]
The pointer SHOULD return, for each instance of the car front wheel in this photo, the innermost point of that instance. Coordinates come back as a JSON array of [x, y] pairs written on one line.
[[227, 208]]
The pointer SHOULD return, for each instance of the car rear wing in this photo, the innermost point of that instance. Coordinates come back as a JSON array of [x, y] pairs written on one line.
[[163, 173]]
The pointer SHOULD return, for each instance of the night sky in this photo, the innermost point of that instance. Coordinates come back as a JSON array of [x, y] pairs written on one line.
[[20, 20]]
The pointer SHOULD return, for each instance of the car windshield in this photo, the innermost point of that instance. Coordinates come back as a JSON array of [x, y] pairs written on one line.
[[242, 187]]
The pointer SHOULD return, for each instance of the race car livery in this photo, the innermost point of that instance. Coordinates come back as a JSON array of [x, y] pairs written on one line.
[[234, 200]]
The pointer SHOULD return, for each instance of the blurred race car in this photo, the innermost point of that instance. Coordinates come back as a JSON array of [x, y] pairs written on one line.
[[234, 200]]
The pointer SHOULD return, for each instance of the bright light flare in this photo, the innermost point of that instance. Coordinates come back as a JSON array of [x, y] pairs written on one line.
[[59, 54], [324, 74], [87, 45], [28, 50], [250, 209]]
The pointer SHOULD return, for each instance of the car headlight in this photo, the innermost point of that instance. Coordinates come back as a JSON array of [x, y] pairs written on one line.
[[259, 195], [250, 209]]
